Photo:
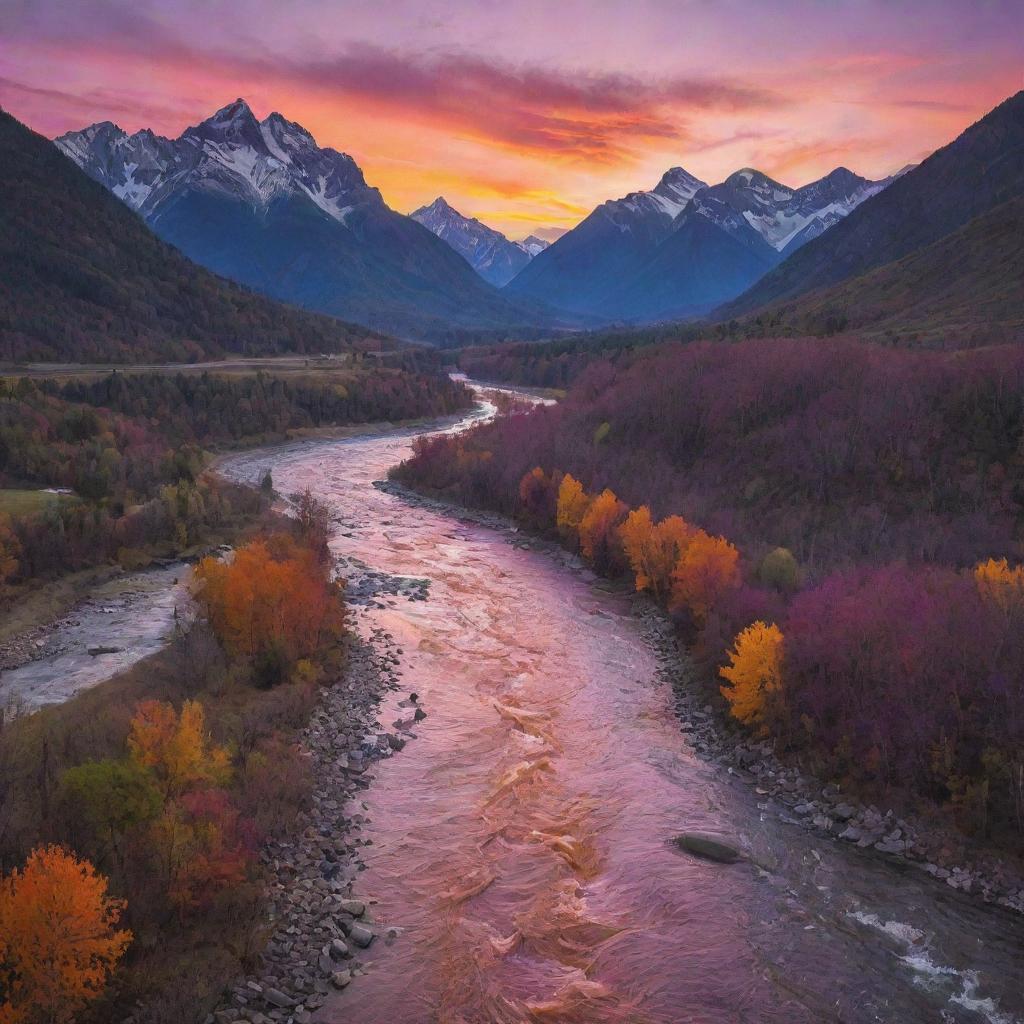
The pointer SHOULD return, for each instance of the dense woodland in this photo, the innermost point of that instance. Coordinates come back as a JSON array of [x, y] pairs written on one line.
[[859, 500], [130, 448]]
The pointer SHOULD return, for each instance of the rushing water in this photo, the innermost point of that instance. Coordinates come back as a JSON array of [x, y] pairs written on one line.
[[521, 846]]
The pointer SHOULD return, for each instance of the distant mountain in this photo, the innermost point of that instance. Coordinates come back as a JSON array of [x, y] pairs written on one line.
[[685, 246], [532, 245], [981, 169], [83, 279], [965, 289], [260, 202], [704, 261], [487, 251], [577, 271]]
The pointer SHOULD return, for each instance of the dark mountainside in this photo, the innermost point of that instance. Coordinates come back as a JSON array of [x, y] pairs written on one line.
[[699, 264], [965, 289], [981, 169], [84, 279]]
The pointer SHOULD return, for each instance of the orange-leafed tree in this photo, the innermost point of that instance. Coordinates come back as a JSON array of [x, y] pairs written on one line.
[[273, 595], [59, 942], [1001, 585], [598, 530], [754, 671], [572, 505], [176, 747], [654, 549], [707, 569]]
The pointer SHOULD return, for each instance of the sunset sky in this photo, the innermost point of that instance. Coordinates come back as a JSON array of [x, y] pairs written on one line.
[[528, 114]]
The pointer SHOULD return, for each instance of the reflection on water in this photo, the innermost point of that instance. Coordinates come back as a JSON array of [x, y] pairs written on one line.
[[521, 846]]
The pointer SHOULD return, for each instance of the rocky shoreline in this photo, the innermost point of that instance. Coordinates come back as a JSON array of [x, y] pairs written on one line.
[[797, 797], [320, 927]]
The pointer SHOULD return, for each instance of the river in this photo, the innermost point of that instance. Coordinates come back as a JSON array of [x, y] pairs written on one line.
[[521, 846]]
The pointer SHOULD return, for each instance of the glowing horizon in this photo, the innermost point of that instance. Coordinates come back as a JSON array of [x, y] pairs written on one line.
[[528, 115]]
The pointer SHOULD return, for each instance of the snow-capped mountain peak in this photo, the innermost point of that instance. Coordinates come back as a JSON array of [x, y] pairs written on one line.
[[784, 217], [654, 211], [676, 188], [487, 251], [230, 153], [532, 245]]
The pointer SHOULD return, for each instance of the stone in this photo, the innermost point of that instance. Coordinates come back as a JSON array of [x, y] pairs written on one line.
[[354, 907], [361, 935], [709, 847], [338, 949], [843, 812], [341, 979], [276, 997]]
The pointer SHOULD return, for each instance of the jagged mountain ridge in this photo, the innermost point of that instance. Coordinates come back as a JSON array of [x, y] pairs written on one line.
[[625, 260], [261, 203], [981, 169], [493, 256]]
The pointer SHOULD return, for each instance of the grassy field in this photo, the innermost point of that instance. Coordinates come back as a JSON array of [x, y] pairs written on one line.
[[278, 365], [15, 502]]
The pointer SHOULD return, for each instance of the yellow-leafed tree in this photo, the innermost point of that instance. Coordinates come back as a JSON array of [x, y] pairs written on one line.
[[1000, 584], [654, 549], [573, 503], [754, 670]]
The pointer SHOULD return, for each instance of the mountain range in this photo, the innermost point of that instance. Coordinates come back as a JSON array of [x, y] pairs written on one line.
[[488, 252], [685, 246], [261, 203], [980, 170], [83, 279]]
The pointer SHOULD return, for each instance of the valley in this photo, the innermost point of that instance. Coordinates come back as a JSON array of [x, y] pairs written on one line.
[[520, 849], [515, 518]]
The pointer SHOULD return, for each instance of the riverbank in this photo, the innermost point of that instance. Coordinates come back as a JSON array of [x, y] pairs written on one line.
[[320, 926], [796, 797]]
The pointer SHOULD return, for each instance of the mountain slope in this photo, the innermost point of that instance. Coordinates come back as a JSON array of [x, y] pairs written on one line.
[[967, 288], [488, 252], [577, 271], [699, 265], [979, 170], [262, 203], [84, 279]]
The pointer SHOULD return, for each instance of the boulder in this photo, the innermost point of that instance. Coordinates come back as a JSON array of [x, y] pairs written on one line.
[[709, 847], [361, 935]]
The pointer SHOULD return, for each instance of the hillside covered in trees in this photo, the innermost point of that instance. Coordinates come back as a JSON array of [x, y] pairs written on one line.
[[83, 279]]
